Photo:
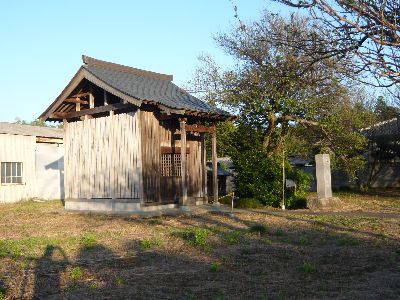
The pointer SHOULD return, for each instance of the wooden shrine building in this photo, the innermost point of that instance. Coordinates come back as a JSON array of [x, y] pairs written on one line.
[[125, 131]]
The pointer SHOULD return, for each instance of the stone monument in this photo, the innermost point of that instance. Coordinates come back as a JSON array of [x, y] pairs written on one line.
[[323, 173], [324, 185]]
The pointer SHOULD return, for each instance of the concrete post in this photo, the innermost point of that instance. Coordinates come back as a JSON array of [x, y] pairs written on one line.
[[323, 173]]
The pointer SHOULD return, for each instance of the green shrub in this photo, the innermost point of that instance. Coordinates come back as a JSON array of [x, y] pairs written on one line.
[[76, 274], [296, 199], [258, 228], [248, 203], [296, 202], [257, 175]]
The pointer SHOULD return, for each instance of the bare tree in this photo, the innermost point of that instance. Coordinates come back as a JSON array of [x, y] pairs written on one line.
[[369, 30]]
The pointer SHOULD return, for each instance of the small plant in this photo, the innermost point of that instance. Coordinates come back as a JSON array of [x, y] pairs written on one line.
[[214, 267], [93, 286], [245, 251], [197, 236], [258, 228], [281, 296], [346, 241], [156, 221], [120, 281], [76, 274], [220, 296], [308, 268], [303, 240], [233, 237], [279, 232], [2, 292], [89, 241], [150, 243], [9, 248]]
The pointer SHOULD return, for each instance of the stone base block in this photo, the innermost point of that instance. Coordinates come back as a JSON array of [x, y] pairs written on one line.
[[324, 203]]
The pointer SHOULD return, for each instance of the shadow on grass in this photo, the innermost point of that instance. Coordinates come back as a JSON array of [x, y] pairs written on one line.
[[251, 267]]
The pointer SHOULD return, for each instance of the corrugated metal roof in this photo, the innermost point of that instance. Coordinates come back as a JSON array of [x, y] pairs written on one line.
[[21, 129], [146, 85]]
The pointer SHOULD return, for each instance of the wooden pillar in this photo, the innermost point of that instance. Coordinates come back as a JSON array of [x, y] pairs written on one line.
[[203, 166], [182, 123], [214, 165], [105, 98], [91, 101], [91, 105]]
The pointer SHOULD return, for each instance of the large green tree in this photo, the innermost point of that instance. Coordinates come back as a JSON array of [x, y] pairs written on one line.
[[276, 91]]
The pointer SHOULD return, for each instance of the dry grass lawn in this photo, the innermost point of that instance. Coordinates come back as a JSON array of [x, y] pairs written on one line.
[[48, 253]]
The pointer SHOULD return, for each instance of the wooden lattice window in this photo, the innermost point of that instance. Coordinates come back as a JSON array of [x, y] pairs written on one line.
[[171, 164]]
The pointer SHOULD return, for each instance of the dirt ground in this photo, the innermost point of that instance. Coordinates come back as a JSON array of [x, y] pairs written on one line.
[[354, 253]]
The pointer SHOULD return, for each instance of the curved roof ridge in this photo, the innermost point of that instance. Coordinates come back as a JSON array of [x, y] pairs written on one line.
[[90, 61]]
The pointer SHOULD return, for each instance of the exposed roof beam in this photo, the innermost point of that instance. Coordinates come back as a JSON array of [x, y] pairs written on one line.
[[93, 111], [80, 95], [200, 128], [76, 100]]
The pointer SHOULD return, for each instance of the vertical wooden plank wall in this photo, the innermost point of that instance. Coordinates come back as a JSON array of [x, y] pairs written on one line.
[[155, 135], [18, 148], [151, 155], [102, 158]]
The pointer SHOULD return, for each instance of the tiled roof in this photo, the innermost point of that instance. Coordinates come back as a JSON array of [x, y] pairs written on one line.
[[385, 129], [146, 85], [20, 129]]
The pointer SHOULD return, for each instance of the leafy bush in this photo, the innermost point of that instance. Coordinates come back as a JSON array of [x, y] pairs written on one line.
[[296, 202], [296, 199], [248, 203], [257, 176]]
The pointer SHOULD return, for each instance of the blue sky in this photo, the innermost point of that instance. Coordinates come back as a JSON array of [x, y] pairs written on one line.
[[42, 42]]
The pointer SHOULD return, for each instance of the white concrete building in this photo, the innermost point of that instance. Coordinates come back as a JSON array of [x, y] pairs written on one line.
[[31, 162]]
